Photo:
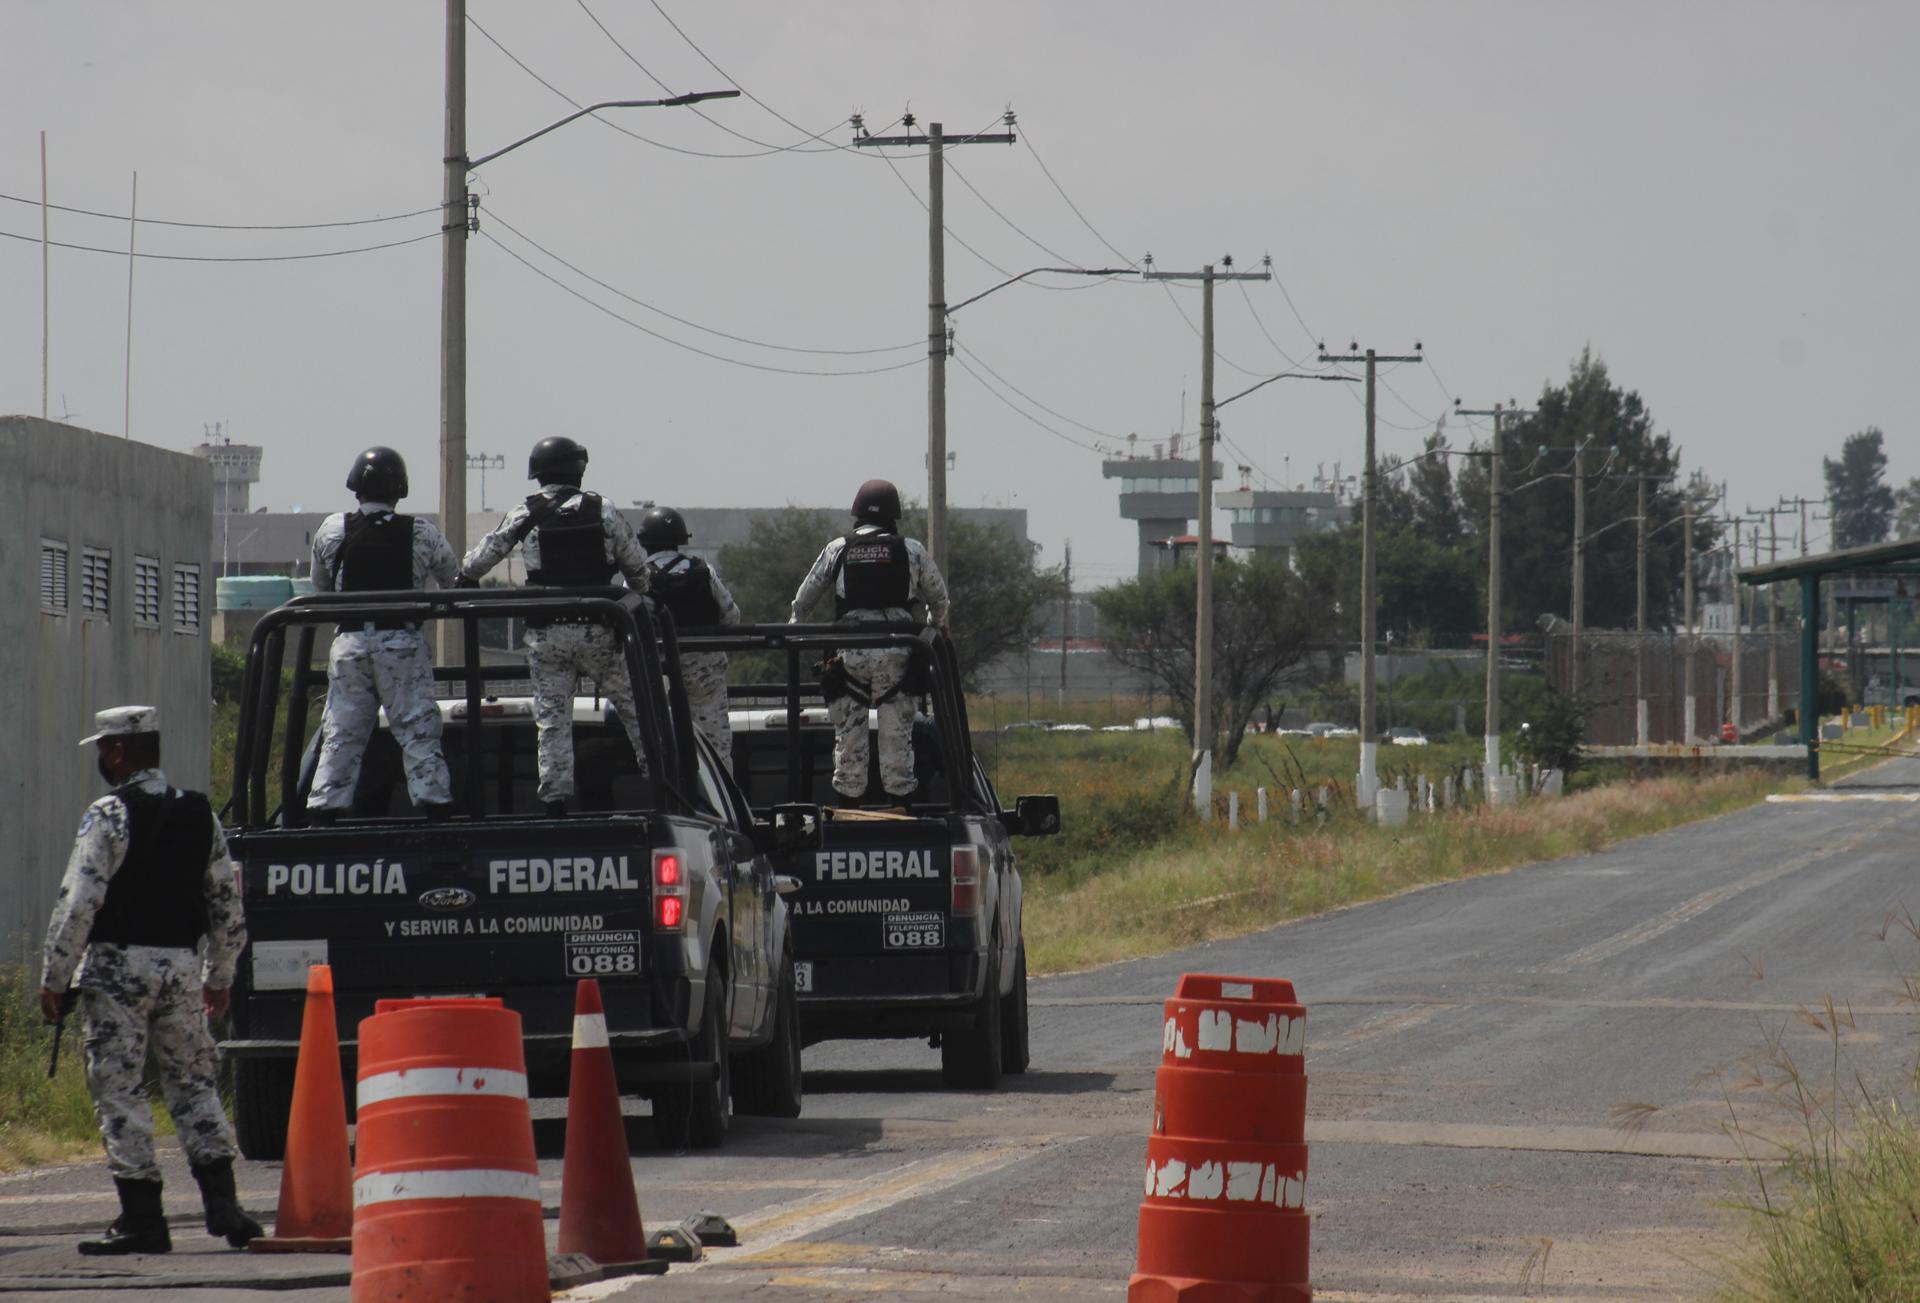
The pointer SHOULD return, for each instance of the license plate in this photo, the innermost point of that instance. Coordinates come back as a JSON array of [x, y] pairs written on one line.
[[926, 930], [802, 976], [282, 965]]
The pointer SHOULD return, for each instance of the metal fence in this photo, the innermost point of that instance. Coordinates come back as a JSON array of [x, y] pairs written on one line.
[[1683, 684]]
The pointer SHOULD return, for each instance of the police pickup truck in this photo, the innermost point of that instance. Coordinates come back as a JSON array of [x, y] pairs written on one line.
[[662, 886], [906, 921]]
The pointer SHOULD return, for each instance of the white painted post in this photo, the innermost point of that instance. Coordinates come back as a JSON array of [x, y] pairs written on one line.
[[1233, 810], [1203, 786], [1299, 799], [1260, 799]]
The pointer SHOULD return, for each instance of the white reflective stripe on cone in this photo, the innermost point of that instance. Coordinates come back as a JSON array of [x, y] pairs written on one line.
[[467, 1183], [383, 1086], [589, 1031]]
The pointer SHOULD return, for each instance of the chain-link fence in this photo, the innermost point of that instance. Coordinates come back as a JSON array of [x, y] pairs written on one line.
[[1685, 683]]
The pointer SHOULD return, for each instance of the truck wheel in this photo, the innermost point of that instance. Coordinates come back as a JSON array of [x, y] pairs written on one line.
[[262, 1099], [694, 1115], [972, 1057], [1013, 1019], [767, 1081]]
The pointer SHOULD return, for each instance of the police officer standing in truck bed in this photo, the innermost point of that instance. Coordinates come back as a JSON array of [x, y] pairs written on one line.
[[148, 881], [874, 575], [376, 663], [569, 539], [691, 589]]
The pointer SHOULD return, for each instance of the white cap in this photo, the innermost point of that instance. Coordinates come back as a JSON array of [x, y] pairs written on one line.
[[124, 719]]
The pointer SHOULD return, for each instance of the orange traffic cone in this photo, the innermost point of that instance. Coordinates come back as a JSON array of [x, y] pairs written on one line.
[[316, 1184], [599, 1211]]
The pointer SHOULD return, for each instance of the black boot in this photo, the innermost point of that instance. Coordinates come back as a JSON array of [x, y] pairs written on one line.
[[141, 1226], [225, 1216], [438, 813], [556, 809]]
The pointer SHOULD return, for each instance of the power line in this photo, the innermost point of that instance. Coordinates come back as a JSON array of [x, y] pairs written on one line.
[[1104, 434], [1013, 225], [694, 325], [767, 147], [196, 257], [681, 344], [1026, 138], [1024, 414], [224, 226]]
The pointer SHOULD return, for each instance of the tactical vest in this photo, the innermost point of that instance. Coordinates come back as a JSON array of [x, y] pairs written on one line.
[[159, 897], [875, 573], [686, 590], [573, 544], [376, 555]]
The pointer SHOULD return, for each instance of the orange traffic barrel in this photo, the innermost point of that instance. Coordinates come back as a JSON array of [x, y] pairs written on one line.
[[446, 1194], [1224, 1208]]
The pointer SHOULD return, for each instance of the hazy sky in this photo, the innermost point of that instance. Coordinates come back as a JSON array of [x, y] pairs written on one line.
[[1718, 197]]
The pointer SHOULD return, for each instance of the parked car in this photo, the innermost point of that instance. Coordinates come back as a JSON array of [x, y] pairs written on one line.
[[1319, 730], [1341, 731], [1406, 737]]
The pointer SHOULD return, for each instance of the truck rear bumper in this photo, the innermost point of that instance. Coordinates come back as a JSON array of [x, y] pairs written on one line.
[[660, 1055]]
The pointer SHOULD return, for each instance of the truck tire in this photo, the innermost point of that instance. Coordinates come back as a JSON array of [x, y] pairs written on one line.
[[695, 1115], [262, 1099], [971, 1058], [766, 1081], [1014, 1052]]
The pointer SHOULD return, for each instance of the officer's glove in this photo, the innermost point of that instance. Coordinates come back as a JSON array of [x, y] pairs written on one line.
[[465, 581]]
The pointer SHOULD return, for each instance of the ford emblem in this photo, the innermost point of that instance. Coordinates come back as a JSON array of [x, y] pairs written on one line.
[[447, 898]]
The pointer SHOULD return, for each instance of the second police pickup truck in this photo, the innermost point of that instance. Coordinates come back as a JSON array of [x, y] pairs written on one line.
[[907, 917], [661, 885]]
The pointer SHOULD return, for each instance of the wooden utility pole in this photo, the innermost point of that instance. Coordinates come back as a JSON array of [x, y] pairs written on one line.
[[1367, 782], [1496, 622], [936, 142], [454, 225], [1203, 734]]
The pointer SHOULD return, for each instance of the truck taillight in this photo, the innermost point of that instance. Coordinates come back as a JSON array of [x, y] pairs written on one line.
[[966, 880], [669, 892]]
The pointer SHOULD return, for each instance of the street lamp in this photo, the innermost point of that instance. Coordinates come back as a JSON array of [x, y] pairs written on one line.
[[459, 219]]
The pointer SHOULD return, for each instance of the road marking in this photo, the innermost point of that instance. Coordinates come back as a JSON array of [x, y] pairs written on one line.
[[1660, 924], [765, 1233], [1540, 1139], [1822, 798]]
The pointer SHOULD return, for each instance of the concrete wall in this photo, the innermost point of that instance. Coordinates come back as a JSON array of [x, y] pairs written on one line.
[[85, 489]]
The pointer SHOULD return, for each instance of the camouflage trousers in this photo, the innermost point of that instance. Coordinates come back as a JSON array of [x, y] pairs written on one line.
[[878, 671], [367, 670], [557, 657], [134, 997], [705, 676]]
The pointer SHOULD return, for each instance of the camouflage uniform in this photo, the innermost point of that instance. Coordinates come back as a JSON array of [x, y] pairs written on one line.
[[134, 997], [559, 654], [705, 673], [368, 668], [878, 670]]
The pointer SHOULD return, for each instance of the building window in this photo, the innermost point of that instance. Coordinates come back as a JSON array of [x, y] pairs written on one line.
[[96, 581], [186, 599], [146, 592], [53, 576]]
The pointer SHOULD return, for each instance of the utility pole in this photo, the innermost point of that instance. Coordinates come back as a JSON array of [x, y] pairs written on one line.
[[46, 283], [1367, 782], [1772, 515], [454, 227], [1579, 597], [1496, 623], [1203, 735], [484, 462], [1642, 726], [1066, 621], [936, 142]]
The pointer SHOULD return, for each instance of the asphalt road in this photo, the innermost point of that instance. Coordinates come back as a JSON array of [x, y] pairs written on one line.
[[1471, 1049]]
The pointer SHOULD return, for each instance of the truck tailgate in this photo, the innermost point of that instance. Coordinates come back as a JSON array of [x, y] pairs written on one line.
[[875, 889]]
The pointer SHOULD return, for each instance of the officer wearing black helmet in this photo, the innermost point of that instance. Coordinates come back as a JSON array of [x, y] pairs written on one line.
[[874, 574], [691, 589], [568, 538], [380, 662]]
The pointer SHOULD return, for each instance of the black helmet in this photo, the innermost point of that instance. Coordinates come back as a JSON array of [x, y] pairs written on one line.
[[663, 527], [877, 503], [378, 475], [557, 456]]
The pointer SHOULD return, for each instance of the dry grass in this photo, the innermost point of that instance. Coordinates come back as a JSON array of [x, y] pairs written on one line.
[[1201, 883], [41, 1121]]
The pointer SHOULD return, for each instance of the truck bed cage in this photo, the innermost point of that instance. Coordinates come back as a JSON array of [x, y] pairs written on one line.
[[801, 645], [648, 640]]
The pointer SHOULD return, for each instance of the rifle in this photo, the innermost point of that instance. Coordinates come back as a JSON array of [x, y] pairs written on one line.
[[68, 999]]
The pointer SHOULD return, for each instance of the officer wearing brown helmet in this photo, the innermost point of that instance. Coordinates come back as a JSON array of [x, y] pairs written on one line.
[[875, 575], [147, 883]]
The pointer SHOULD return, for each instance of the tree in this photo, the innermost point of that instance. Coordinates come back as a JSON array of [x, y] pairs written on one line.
[[1264, 618], [1906, 510], [1436, 508], [1428, 592], [1537, 529], [999, 595], [1857, 492]]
